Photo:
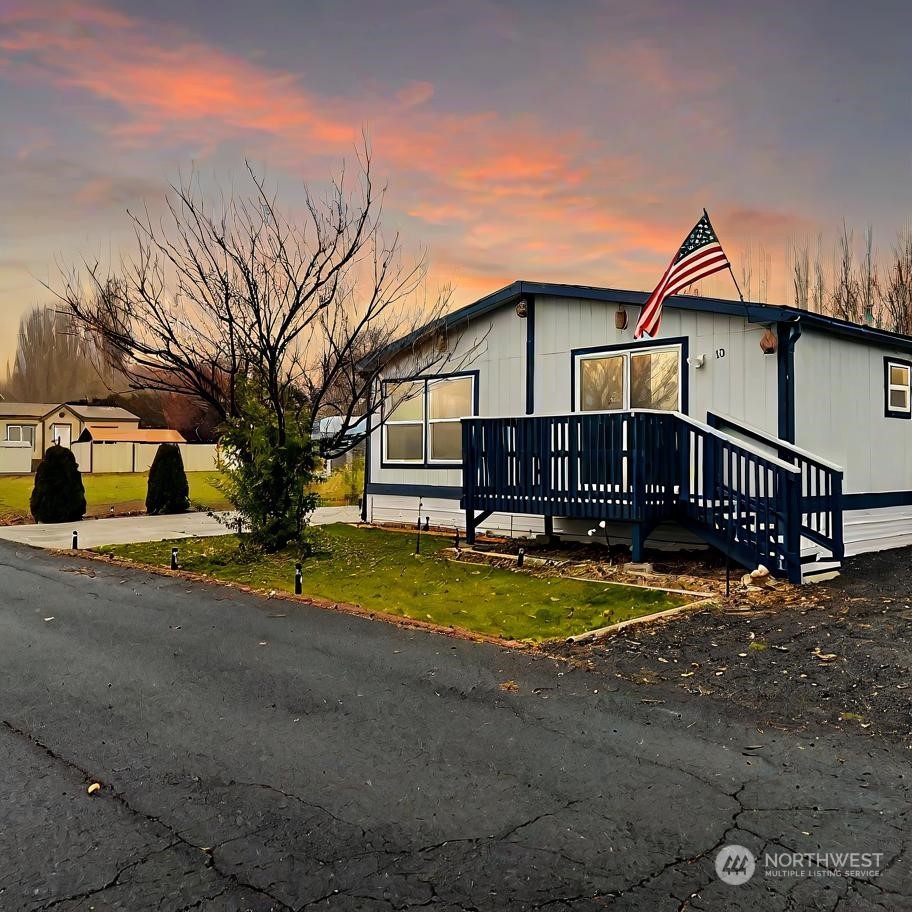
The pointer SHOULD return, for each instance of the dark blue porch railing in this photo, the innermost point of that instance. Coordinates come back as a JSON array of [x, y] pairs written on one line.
[[821, 484], [641, 467]]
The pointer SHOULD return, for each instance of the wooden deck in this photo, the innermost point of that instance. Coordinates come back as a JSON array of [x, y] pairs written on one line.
[[643, 467]]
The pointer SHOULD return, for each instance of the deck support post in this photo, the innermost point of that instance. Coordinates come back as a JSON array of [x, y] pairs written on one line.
[[472, 522], [549, 530], [470, 527], [638, 535]]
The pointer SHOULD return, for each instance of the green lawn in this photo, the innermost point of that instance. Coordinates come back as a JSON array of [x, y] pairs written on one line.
[[379, 570], [124, 491]]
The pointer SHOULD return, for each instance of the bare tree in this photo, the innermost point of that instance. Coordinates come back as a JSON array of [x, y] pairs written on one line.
[[747, 271], [271, 321], [846, 296], [897, 286], [801, 276], [219, 295], [818, 296], [54, 362]]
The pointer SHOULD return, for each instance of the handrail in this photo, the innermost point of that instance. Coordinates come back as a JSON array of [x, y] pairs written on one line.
[[754, 451], [776, 441]]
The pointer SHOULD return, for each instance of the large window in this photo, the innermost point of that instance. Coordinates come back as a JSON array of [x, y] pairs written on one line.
[[19, 432], [405, 422], [422, 419], [647, 379], [898, 391]]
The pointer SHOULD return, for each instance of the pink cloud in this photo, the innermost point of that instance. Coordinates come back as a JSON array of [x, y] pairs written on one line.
[[513, 195]]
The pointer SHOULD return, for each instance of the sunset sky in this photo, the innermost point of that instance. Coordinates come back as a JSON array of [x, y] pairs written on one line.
[[572, 142]]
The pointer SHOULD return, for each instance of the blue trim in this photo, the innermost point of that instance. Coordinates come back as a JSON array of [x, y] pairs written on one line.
[[425, 462], [530, 355], [755, 313], [444, 492], [877, 499], [682, 341], [367, 467], [888, 412], [788, 334]]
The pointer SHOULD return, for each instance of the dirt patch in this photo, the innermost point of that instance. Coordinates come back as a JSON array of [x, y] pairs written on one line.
[[836, 655]]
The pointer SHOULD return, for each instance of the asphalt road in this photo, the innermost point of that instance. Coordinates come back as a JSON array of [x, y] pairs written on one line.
[[257, 755]]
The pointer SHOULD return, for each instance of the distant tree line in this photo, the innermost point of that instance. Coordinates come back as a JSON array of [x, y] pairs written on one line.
[[56, 360], [860, 288]]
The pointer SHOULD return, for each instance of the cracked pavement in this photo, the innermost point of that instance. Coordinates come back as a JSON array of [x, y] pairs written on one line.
[[259, 755]]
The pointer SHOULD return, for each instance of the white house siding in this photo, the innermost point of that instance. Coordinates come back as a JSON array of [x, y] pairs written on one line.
[[496, 343], [741, 384], [839, 413]]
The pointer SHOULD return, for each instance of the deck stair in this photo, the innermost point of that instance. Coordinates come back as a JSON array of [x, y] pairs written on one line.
[[754, 497]]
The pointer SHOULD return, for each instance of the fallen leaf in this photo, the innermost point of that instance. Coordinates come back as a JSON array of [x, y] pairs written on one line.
[[509, 686], [94, 787]]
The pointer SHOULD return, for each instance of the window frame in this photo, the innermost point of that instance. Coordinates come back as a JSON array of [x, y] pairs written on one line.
[[426, 462], [679, 343], [407, 422], [891, 411], [21, 428]]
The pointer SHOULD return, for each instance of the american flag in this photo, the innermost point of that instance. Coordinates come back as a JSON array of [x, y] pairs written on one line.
[[700, 255]]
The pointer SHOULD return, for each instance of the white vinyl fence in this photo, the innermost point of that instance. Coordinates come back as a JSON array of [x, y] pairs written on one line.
[[123, 456], [15, 457]]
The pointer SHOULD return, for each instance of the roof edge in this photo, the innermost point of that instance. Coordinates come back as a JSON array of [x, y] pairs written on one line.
[[754, 312]]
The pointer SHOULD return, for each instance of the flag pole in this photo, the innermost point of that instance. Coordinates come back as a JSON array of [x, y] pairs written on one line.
[[732, 271]]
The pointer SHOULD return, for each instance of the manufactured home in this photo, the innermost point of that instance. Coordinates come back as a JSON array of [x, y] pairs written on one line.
[[779, 436], [45, 423]]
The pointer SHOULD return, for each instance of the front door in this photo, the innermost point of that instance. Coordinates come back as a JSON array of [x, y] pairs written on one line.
[[62, 434]]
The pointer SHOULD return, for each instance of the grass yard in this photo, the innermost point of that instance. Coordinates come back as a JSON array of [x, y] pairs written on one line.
[[378, 570], [124, 491]]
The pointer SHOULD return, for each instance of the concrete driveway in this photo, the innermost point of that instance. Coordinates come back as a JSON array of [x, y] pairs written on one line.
[[126, 530], [260, 755]]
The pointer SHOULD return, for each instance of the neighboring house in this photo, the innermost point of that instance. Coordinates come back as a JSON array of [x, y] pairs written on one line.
[[103, 438], [780, 436], [350, 450], [45, 423], [24, 421], [66, 423]]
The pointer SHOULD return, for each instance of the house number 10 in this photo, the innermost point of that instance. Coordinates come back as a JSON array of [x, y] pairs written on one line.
[[720, 352]]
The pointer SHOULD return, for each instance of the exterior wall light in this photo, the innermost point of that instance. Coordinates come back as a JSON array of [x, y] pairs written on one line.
[[522, 308], [768, 342]]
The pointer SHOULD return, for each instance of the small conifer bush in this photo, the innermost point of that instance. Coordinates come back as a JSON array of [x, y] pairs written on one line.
[[58, 495], [168, 490]]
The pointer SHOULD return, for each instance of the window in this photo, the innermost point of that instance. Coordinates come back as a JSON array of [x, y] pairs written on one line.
[[405, 422], [898, 394], [646, 379], [18, 432], [423, 422]]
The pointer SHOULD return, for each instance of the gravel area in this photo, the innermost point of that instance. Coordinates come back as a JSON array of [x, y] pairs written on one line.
[[837, 655]]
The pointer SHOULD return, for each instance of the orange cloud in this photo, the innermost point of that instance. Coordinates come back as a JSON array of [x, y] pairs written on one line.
[[505, 196]]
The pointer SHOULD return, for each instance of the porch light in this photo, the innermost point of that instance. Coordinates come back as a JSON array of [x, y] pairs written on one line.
[[768, 342], [620, 318], [522, 308]]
